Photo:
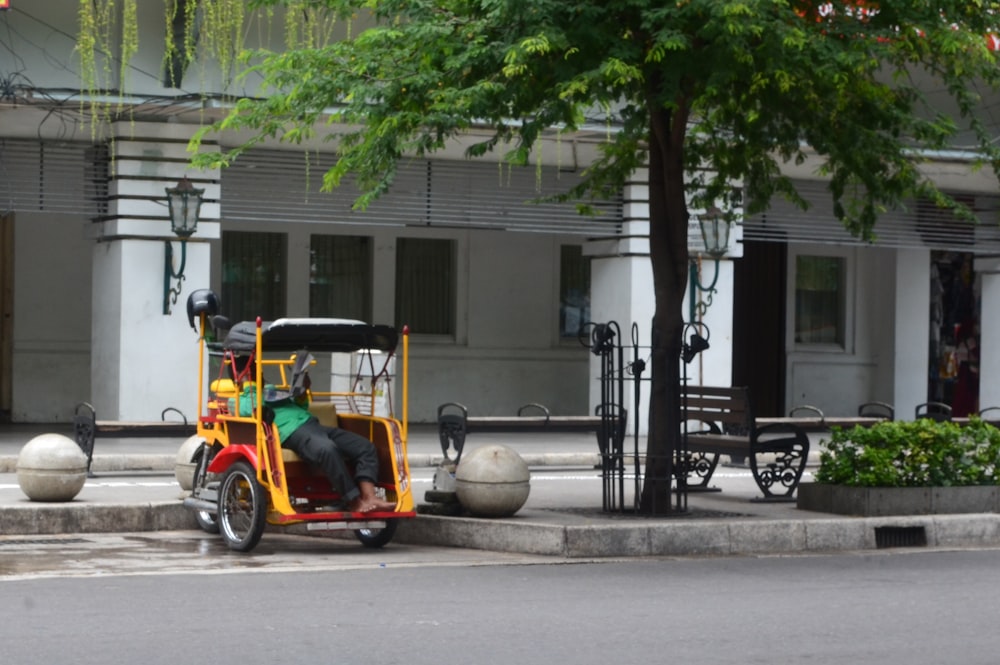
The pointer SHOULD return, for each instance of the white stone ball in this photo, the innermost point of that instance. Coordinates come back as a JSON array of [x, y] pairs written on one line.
[[51, 467], [184, 464], [492, 481]]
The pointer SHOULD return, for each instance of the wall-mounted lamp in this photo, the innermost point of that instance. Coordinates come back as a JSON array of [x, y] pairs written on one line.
[[184, 202], [715, 234]]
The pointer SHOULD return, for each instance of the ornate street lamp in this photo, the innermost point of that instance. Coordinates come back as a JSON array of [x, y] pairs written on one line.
[[184, 202], [714, 226]]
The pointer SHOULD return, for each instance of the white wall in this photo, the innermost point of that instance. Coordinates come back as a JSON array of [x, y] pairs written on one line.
[[912, 338], [989, 360], [51, 351], [838, 379]]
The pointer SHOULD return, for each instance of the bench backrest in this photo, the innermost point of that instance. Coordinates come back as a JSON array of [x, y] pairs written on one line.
[[727, 407]]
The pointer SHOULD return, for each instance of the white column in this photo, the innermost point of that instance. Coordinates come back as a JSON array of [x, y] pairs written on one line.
[[143, 361], [912, 336], [989, 332], [621, 282]]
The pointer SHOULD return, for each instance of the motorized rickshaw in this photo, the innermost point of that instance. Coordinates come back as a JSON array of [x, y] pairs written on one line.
[[243, 478]]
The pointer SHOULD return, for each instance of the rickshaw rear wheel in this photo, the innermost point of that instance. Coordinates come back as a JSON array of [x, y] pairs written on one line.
[[376, 538], [207, 521], [242, 507]]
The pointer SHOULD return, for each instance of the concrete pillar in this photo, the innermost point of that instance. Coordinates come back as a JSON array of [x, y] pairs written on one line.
[[621, 283], [142, 360], [912, 335], [988, 269]]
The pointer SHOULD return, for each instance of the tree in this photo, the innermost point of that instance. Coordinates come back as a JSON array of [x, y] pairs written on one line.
[[705, 93]]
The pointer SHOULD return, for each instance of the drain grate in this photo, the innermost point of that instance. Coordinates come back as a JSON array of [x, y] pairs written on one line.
[[900, 536], [41, 541]]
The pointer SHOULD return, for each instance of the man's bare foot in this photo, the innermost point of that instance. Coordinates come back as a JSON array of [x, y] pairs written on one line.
[[371, 505], [369, 502]]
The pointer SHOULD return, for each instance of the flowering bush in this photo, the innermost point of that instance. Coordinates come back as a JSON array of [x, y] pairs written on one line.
[[921, 453]]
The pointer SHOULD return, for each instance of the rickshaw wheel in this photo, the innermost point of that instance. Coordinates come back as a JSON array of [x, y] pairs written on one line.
[[242, 508], [376, 538], [206, 521]]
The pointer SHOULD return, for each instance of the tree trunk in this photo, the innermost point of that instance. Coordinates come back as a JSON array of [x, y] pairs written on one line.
[[668, 218]]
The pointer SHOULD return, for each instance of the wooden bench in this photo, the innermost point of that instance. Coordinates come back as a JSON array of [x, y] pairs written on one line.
[[719, 421], [454, 426]]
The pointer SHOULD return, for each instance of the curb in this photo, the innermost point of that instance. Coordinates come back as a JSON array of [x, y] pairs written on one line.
[[532, 534], [73, 518], [692, 538]]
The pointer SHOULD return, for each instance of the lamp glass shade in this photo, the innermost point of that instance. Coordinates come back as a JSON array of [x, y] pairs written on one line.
[[184, 202], [714, 232]]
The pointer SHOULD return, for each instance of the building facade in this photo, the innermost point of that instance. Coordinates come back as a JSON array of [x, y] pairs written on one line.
[[492, 285]]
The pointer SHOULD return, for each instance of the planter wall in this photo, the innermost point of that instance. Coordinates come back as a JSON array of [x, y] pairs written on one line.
[[879, 501]]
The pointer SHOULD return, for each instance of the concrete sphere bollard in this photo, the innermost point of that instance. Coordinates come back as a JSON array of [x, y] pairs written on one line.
[[492, 481], [184, 464], [51, 467]]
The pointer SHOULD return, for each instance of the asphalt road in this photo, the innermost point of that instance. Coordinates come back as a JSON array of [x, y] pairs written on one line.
[[186, 600]]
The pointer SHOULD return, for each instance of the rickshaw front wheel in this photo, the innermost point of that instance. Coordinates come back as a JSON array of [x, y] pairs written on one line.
[[376, 538], [206, 520], [242, 507]]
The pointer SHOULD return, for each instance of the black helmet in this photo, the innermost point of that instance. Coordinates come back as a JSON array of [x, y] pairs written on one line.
[[202, 301]]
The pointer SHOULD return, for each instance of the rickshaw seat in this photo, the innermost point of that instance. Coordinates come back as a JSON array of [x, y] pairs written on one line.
[[223, 388], [326, 414]]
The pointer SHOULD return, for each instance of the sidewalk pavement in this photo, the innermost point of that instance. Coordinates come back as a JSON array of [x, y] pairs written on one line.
[[134, 489]]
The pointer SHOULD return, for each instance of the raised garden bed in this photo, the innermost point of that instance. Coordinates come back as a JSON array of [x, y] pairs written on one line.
[[907, 468], [883, 501]]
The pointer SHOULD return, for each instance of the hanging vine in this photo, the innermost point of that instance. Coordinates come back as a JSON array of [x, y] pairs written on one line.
[[224, 35], [210, 32], [129, 45], [97, 18]]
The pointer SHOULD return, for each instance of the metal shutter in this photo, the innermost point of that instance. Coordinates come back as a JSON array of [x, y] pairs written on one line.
[[280, 186], [921, 225], [68, 178]]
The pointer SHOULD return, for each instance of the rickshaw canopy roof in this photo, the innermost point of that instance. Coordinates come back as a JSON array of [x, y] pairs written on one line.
[[314, 334]]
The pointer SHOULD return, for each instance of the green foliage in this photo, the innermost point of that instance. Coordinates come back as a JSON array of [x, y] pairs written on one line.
[[922, 453], [743, 85]]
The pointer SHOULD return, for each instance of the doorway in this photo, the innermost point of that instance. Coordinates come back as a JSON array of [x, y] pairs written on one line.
[[953, 363], [759, 325]]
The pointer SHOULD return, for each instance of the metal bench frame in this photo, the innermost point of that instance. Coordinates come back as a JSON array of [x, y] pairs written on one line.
[[725, 425]]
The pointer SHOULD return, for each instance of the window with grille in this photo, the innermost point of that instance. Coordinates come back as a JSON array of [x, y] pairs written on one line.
[[820, 300], [340, 277], [426, 285], [574, 290], [254, 275]]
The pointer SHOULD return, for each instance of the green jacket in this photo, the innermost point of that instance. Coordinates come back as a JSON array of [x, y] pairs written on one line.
[[289, 415]]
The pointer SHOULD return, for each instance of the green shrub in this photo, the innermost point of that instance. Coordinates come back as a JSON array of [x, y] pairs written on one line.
[[921, 453]]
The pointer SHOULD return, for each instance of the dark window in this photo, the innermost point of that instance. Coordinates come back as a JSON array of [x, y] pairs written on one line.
[[253, 275], [819, 300], [574, 290], [425, 285], [340, 277]]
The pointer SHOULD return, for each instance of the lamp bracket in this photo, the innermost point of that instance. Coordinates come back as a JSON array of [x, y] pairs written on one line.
[[172, 293]]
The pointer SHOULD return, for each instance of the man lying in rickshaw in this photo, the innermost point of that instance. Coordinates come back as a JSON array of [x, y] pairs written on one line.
[[329, 448]]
